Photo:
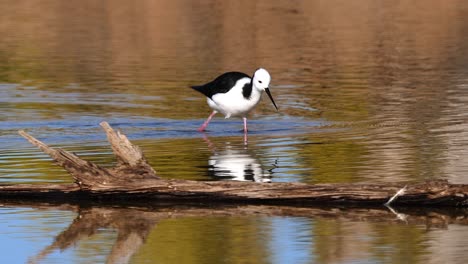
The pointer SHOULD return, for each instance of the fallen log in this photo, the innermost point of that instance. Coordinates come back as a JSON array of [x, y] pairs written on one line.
[[133, 179]]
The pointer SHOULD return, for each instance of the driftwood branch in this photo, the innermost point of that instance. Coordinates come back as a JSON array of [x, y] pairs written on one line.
[[133, 179]]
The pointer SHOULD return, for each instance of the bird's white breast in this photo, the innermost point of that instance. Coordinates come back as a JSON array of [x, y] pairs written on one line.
[[233, 103]]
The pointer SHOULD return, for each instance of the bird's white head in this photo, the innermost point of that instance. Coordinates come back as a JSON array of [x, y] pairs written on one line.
[[261, 79]]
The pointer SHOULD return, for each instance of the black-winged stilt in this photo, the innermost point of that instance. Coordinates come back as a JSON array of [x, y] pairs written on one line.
[[235, 94]]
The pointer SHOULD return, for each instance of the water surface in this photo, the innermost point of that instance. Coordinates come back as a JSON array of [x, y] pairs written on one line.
[[368, 91]]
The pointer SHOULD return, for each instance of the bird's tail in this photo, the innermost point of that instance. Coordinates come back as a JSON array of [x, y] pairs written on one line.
[[197, 88], [202, 90]]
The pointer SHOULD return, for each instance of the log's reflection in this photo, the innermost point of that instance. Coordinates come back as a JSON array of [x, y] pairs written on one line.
[[133, 225]]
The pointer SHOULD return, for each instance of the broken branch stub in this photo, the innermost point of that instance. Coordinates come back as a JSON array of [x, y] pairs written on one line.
[[131, 163], [84, 173]]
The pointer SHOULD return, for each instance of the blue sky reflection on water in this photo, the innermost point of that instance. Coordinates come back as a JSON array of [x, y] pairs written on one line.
[[27, 231], [292, 240]]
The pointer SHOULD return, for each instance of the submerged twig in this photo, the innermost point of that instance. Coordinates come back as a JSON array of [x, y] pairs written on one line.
[[399, 193]]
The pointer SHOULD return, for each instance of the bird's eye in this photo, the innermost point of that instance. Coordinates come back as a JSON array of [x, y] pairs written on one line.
[[260, 81]]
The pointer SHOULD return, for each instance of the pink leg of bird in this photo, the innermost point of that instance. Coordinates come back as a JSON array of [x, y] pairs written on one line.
[[245, 130], [202, 128], [245, 124]]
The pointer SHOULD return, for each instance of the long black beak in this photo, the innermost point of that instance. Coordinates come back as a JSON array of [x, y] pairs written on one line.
[[271, 98]]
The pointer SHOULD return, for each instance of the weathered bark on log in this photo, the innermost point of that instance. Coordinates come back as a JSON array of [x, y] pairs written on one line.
[[133, 179]]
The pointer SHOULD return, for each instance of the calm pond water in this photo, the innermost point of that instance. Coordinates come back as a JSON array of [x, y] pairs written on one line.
[[368, 91]]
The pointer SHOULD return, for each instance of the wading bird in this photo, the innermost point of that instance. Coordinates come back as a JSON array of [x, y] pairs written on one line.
[[235, 94]]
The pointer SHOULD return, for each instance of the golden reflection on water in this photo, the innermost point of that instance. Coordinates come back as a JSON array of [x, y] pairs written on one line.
[[392, 73], [231, 239]]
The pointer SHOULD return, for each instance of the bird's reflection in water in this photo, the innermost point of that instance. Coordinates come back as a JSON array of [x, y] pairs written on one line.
[[236, 162]]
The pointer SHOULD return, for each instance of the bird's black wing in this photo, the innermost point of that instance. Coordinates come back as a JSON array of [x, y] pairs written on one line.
[[222, 84]]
